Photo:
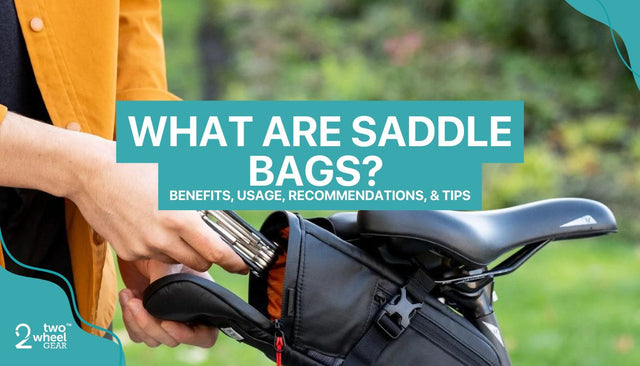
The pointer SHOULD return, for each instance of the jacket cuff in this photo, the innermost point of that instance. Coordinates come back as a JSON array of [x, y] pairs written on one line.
[[3, 113], [145, 94]]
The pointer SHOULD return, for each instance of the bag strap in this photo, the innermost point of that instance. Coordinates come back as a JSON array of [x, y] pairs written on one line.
[[392, 321], [420, 285]]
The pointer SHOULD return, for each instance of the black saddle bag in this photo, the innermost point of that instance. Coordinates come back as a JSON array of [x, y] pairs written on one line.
[[340, 306]]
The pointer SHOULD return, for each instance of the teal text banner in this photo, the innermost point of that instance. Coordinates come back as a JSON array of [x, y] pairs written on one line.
[[333, 155]]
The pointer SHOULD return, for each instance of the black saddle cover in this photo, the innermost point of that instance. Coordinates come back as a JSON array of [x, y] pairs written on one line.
[[333, 298]]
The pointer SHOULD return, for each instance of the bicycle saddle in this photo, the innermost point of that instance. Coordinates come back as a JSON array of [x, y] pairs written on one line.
[[479, 237]]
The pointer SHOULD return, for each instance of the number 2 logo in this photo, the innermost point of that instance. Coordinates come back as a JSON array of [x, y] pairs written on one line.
[[21, 344]]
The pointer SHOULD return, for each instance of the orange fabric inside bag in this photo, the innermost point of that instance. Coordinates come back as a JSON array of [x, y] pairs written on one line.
[[275, 281]]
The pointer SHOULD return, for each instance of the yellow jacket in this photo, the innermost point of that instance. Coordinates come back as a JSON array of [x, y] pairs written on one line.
[[86, 54]]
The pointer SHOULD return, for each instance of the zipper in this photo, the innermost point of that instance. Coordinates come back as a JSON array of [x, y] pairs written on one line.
[[442, 338], [278, 342]]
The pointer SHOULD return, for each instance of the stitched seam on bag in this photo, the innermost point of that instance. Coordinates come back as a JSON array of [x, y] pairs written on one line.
[[300, 280], [372, 312], [438, 343], [465, 324], [364, 327], [301, 271], [459, 339]]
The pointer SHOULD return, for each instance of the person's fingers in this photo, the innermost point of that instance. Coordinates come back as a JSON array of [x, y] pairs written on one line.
[[208, 244], [196, 335], [147, 248], [162, 257], [153, 333], [136, 333], [183, 253], [130, 324]]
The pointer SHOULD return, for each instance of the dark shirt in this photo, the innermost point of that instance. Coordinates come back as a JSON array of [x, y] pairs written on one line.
[[32, 222]]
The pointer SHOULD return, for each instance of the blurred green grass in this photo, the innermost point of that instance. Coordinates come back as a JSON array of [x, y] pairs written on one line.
[[574, 303]]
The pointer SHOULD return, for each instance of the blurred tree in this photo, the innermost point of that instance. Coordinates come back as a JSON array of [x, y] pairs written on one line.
[[214, 52], [582, 116]]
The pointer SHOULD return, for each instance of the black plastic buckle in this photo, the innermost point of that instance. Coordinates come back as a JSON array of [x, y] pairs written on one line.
[[396, 316]]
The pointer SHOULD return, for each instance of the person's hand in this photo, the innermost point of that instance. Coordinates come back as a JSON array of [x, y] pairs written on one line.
[[120, 202], [142, 326]]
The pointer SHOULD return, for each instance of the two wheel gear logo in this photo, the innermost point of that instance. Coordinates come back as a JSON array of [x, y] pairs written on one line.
[[52, 337]]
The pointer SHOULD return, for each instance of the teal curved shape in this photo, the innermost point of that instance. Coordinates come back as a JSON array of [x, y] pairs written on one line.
[[33, 291], [621, 16]]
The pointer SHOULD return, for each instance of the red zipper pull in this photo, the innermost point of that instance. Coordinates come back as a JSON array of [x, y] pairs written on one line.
[[279, 347], [279, 343]]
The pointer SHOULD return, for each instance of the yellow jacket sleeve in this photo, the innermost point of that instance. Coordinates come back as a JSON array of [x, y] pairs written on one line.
[[141, 60], [3, 112]]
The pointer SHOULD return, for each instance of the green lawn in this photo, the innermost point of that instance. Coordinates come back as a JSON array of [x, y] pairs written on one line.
[[574, 303]]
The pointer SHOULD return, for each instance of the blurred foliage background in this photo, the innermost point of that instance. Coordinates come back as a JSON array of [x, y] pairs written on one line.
[[573, 304]]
